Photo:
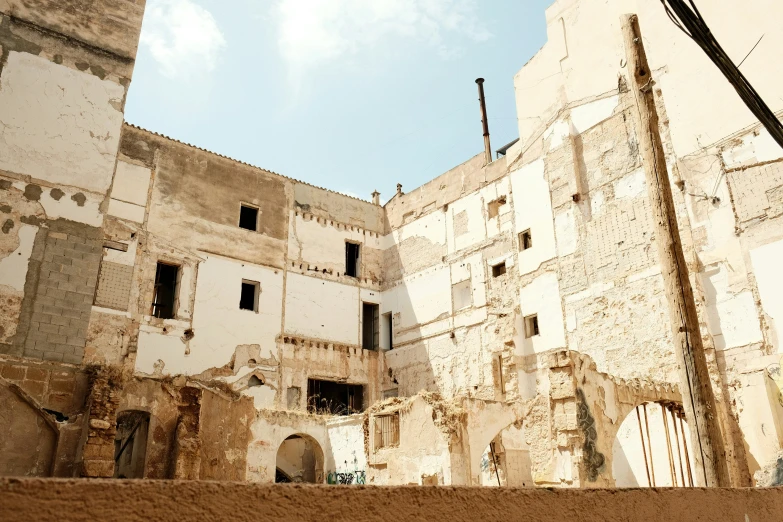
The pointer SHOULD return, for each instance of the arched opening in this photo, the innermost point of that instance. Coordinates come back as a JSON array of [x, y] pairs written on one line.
[[506, 460], [653, 449], [130, 444], [300, 459]]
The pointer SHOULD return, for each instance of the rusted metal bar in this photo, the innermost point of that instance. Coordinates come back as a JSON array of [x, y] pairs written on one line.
[[484, 122]]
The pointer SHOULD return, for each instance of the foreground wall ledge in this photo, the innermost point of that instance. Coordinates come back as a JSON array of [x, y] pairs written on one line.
[[82, 499]]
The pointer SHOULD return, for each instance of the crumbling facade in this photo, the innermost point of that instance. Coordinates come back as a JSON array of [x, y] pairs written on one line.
[[167, 312]]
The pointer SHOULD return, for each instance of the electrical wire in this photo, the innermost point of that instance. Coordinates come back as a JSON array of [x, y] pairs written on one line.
[[685, 15]]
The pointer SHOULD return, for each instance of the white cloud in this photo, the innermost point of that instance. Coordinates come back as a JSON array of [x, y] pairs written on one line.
[[182, 37], [313, 32]]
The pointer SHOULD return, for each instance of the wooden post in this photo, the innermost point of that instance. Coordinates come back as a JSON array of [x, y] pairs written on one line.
[[698, 397]]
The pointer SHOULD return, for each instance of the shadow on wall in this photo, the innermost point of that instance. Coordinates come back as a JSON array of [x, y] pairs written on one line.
[[28, 440]]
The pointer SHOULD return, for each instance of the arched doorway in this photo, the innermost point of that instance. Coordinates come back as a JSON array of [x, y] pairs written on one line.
[[652, 448], [506, 460], [300, 459]]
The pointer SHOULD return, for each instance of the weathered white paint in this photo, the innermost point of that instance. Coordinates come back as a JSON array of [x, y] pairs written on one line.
[[127, 211], [766, 267], [542, 297], [466, 222], [419, 299], [588, 115], [131, 183], [566, 233], [533, 210], [346, 442], [733, 319], [13, 269], [58, 124], [321, 309], [754, 147], [630, 185]]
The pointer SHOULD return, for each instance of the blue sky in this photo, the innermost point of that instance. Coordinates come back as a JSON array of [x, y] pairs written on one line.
[[351, 95]]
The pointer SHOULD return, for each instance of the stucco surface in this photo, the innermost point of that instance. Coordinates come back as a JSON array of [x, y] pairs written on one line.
[[63, 500]]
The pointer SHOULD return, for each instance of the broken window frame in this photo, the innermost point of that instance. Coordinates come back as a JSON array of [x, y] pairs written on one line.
[[350, 262], [243, 206], [157, 306], [493, 207], [371, 330], [256, 294], [531, 326], [525, 240], [353, 401]]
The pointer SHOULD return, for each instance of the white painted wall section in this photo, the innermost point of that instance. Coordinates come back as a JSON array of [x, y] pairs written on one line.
[[533, 211], [58, 124], [766, 267], [542, 297], [321, 309]]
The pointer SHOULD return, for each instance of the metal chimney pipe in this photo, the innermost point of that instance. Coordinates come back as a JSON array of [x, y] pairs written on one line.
[[484, 123]]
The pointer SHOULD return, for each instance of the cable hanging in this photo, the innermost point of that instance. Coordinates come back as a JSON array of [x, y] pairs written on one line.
[[687, 18]]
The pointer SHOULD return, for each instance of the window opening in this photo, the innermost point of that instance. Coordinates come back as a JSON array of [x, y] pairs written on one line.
[[493, 207], [370, 326], [166, 278], [335, 398], [248, 218], [500, 374], [352, 259], [525, 240], [387, 323], [248, 300], [531, 326], [254, 381], [499, 269], [387, 431]]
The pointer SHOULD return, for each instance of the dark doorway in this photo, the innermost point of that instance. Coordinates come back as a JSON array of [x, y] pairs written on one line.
[[130, 444], [335, 398], [352, 259], [370, 326], [165, 291]]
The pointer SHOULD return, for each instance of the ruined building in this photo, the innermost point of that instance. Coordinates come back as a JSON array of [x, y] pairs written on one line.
[[167, 312]]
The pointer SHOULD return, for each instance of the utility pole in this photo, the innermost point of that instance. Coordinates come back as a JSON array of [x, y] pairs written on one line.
[[696, 386]]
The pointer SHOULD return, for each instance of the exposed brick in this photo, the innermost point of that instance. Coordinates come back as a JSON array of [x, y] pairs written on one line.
[[33, 353], [76, 340], [35, 389], [36, 374], [76, 314], [62, 260], [13, 373], [62, 386], [61, 321], [55, 292], [64, 349], [53, 310], [57, 276]]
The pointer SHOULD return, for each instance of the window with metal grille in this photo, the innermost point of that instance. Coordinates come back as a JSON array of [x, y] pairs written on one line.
[[387, 431]]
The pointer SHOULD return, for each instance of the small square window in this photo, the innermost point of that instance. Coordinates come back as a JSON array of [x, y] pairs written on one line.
[[248, 217], [499, 269], [525, 240], [531, 326], [248, 300]]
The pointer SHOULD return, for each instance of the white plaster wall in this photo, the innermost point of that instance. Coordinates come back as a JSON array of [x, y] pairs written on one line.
[[419, 299], [66, 207], [58, 124], [463, 234], [533, 210], [323, 244], [218, 323], [129, 191], [766, 267], [732, 317], [321, 309], [760, 415], [269, 433], [502, 222], [346, 440], [13, 269], [584, 52], [542, 297]]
